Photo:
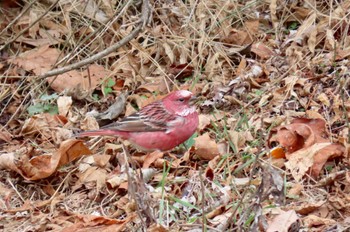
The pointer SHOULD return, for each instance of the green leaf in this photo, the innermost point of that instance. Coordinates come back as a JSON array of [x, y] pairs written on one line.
[[192, 220], [110, 82], [190, 142], [46, 97], [95, 97], [184, 203], [52, 109], [35, 109], [293, 26], [107, 90]]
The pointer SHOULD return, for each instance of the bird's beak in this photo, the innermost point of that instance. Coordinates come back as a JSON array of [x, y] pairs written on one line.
[[193, 100]]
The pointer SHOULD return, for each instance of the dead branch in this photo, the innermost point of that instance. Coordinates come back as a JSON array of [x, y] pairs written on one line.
[[144, 19]]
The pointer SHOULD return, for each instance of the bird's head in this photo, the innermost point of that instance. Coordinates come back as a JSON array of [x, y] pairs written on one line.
[[180, 102]]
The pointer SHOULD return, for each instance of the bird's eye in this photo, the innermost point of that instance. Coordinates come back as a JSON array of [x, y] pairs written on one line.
[[181, 100]]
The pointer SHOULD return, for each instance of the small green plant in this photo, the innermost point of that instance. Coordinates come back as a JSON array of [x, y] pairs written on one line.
[[190, 142], [95, 97], [46, 104], [293, 26], [161, 184], [107, 87]]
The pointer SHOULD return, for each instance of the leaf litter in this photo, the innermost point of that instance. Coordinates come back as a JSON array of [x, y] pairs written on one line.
[[273, 139]]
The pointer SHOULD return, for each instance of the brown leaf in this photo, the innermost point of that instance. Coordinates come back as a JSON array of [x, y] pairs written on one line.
[[181, 71], [38, 60], [157, 84], [71, 150], [76, 81], [157, 228], [215, 212], [239, 138], [283, 222], [205, 147], [306, 146], [206, 119], [152, 157], [42, 166], [42, 124], [64, 104], [89, 223], [5, 136], [94, 175], [42, 59], [313, 220], [295, 190], [300, 161], [308, 207], [101, 160], [89, 123], [169, 52], [8, 161], [262, 50], [277, 153], [338, 55], [252, 26], [237, 37], [330, 152], [302, 132]]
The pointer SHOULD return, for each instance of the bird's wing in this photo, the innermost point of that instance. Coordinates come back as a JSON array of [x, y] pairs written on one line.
[[153, 117]]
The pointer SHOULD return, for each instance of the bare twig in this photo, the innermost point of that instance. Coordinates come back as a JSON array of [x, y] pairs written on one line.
[[18, 16], [145, 15], [204, 219], [31, 25], [138, 192]]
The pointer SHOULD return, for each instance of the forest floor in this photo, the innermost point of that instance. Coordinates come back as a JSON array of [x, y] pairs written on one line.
[[271, 152]]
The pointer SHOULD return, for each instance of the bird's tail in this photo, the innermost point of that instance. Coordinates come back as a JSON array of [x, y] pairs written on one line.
[[98, 133]]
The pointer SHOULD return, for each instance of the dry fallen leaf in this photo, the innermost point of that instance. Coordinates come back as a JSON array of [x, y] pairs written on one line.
[[205, 147], [101, 160], [306, 146], [64, 104], [181, 71], [152, 157], [89, 123], [239, 138], [5, 136], [38, 60], [75, 81], [91, 222], [306, 208], [313, 220], [262, 50], [93, 175], [301, 161], [42, 59], [42, 124], [42, 166], [284, 222]]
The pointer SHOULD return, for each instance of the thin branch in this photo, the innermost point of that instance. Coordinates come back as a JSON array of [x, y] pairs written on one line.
[[145, 16], [18, 16], [31, 25]]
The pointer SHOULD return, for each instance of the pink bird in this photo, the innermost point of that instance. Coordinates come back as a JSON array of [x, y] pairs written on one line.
[[161, 125]]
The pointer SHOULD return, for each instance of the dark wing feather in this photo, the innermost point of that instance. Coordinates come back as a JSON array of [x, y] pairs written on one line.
[[152, 117]]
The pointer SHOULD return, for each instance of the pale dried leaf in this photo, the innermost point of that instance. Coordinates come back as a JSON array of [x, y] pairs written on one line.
[[64, 104], [89, 123], [283, 222], [169, 52], [205, 147], [301, 160]]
